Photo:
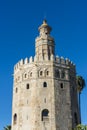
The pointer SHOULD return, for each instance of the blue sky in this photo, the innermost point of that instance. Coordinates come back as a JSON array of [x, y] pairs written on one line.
[[19, 21]]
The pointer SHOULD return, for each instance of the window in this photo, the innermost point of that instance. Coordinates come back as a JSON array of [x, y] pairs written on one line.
[[44, 114], [15, 119], [27, 86], [57, 73], [44, 84], [43, 56], [62, 74], [25, 75], [41, 73], [16, 90], [47, 72], [61, 85]]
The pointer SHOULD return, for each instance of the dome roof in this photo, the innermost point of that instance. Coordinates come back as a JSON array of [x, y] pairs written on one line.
[[45, 25]]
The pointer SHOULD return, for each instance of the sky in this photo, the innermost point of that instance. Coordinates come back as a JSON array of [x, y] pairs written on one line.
[[19, 22]]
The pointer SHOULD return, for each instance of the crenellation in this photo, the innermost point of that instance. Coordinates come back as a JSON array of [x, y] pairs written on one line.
[[31, 59], [18, 64], [14, 67], [35, 58], [58, 59], [21, 62], [26, 61], [62, 60], [67, 61]]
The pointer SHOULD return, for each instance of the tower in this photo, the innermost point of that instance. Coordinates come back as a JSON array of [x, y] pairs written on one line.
[[44, 89]]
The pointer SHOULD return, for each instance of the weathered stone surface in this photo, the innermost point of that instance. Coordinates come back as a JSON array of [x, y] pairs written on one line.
[[44, 82]]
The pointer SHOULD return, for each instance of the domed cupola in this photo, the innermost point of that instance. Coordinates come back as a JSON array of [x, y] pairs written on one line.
[[44, 28]]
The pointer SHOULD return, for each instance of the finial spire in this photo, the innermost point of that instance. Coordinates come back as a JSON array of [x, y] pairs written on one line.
[[44, 21]]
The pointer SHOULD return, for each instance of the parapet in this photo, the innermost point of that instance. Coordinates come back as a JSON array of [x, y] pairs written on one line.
[[23, 62], [63, 61], [56, 59]]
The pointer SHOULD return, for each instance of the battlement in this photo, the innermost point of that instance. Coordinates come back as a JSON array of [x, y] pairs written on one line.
[[56, 59], [65, 61], [61, 60], [23, 62]]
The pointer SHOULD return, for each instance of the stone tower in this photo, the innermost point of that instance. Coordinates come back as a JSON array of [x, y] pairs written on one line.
[[44, 89]]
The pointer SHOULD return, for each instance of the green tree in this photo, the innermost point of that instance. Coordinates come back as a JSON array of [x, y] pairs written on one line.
[[81, 127], [8, 127], [80, 85]]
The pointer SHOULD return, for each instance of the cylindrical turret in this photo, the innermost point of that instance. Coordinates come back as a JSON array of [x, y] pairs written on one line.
[[44, 43]]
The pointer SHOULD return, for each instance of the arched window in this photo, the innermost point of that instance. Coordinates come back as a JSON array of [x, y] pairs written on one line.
[[44, 84], [27, 86], [62, 74], [44, 114], [15, 119], [41, 73], [47, 72]]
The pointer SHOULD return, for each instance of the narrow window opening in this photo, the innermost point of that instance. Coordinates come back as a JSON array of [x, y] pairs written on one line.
[[43, 56], [61, 85], [44, 84], [16, 90], [44, 100], [41, 73], [47, 72], [27, 86], [15, 119], [25, 75]]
